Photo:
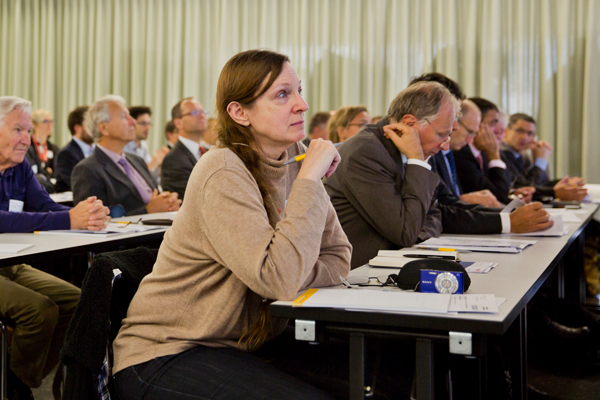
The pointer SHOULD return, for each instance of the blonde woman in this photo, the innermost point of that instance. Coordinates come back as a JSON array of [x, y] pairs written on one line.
[[346, 122]]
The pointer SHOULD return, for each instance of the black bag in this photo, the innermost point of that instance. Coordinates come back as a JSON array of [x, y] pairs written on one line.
[[409, 276]]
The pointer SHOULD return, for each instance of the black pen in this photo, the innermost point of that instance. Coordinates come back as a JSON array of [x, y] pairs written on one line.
[[429, 256]]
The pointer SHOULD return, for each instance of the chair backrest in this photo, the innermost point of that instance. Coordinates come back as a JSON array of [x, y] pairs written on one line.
[[98, 316], [4, 362]]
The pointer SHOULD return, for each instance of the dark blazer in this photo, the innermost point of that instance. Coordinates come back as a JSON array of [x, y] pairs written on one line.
[[99, 176], [66, 159], [176, 169], [463, 218], [472, 178], [381, 204], [442, 170], [525, 174]]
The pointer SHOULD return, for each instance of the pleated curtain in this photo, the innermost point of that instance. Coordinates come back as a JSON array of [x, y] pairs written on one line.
[[540, 57]]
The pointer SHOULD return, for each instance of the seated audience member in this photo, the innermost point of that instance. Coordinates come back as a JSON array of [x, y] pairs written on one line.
[[143, 122], [383, 190], [38, 304], [318, 127], [172, 134], [116, 177], [209, 138], [457, 215], [478, 164], [191, 122], [41, 153], [346, 122], [76, 150], [446, 164], [519, 133], [251, 230]]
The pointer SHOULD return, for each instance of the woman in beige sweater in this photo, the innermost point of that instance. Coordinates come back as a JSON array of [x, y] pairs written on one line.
[[250, 231]]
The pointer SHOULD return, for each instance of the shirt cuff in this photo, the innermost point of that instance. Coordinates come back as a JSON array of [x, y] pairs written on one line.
[[416, 161], [497, 164], [541, 163], [505, 220]]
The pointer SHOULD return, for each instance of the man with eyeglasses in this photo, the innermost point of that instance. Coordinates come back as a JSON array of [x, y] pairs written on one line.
[[139, 146], [383, 189], [191, 120], [518, 137], [120, 179], [478, 162]]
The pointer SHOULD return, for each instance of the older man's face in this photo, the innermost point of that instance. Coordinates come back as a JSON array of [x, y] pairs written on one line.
[[121, 126], [435, 134], [14, 138]]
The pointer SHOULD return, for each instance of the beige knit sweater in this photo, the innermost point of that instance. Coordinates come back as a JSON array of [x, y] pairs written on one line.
[[221, 257]]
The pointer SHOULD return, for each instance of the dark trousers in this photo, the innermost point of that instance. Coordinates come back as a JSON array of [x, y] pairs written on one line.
[[283, 369]]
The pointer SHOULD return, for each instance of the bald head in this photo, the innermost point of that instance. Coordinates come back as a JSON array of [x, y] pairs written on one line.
[[468, 125]]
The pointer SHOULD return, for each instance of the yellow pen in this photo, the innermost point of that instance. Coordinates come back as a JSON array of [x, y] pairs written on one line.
[[303, 156]]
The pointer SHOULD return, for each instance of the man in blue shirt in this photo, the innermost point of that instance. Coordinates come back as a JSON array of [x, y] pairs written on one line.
[[38, 304]]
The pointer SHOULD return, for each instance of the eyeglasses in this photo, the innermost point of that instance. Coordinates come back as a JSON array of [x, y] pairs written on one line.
[[48, 121], [144, 123], [470, 132], [442, 135], [354, 281], [195, 113], [522, 131], [123, 224]]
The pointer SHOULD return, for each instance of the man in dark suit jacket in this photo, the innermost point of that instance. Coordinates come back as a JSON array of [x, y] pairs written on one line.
[[190, 119], [115, 177], [478, 163], [76, 150], [382, 203], [519, 135]]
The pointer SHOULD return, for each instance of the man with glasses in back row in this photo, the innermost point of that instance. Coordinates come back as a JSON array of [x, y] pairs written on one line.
[[190, 120]]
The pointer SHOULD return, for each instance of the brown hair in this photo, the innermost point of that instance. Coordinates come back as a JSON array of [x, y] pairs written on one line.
[[342, 117], [241, 80]]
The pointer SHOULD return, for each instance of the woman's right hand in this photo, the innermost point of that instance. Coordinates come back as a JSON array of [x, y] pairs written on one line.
[[322, 158]]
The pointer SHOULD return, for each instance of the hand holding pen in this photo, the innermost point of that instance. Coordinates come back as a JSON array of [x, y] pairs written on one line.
[[320, 161]]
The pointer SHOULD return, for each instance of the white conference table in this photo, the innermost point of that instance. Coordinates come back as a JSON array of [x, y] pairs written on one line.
[[56, 245], [516, 278]]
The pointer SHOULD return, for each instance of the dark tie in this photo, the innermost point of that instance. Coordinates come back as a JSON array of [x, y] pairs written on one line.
[[520, 163], [453, 176]]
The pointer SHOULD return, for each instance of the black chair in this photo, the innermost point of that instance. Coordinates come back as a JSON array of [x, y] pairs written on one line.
[[98, 316]]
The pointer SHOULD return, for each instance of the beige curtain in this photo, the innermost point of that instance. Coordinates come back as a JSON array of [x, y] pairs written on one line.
[[536, 56]]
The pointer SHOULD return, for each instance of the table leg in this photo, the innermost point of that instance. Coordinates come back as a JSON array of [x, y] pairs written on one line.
[[424, 369], [517, 338], [575, 286], [357, 366]]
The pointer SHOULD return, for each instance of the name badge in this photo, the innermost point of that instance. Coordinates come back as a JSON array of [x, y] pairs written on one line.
[[34, 169], [50, 154], [15, 206]]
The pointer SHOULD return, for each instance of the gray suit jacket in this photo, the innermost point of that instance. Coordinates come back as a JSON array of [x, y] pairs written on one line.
[[177, 168], [99, 176], [381, 204]]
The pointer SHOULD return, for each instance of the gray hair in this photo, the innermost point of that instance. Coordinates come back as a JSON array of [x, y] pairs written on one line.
[[423, 100], [98, 112], [10, 103], [467, 106]]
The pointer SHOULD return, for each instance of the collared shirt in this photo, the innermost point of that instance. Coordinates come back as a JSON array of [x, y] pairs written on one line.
[[40, 212], [205, 145], [539, 162], [492, 163], [192, 146], [136, 178], [141, 150], [85, 148]]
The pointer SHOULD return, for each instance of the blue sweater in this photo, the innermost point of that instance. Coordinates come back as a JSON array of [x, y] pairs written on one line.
[[40, 212]]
